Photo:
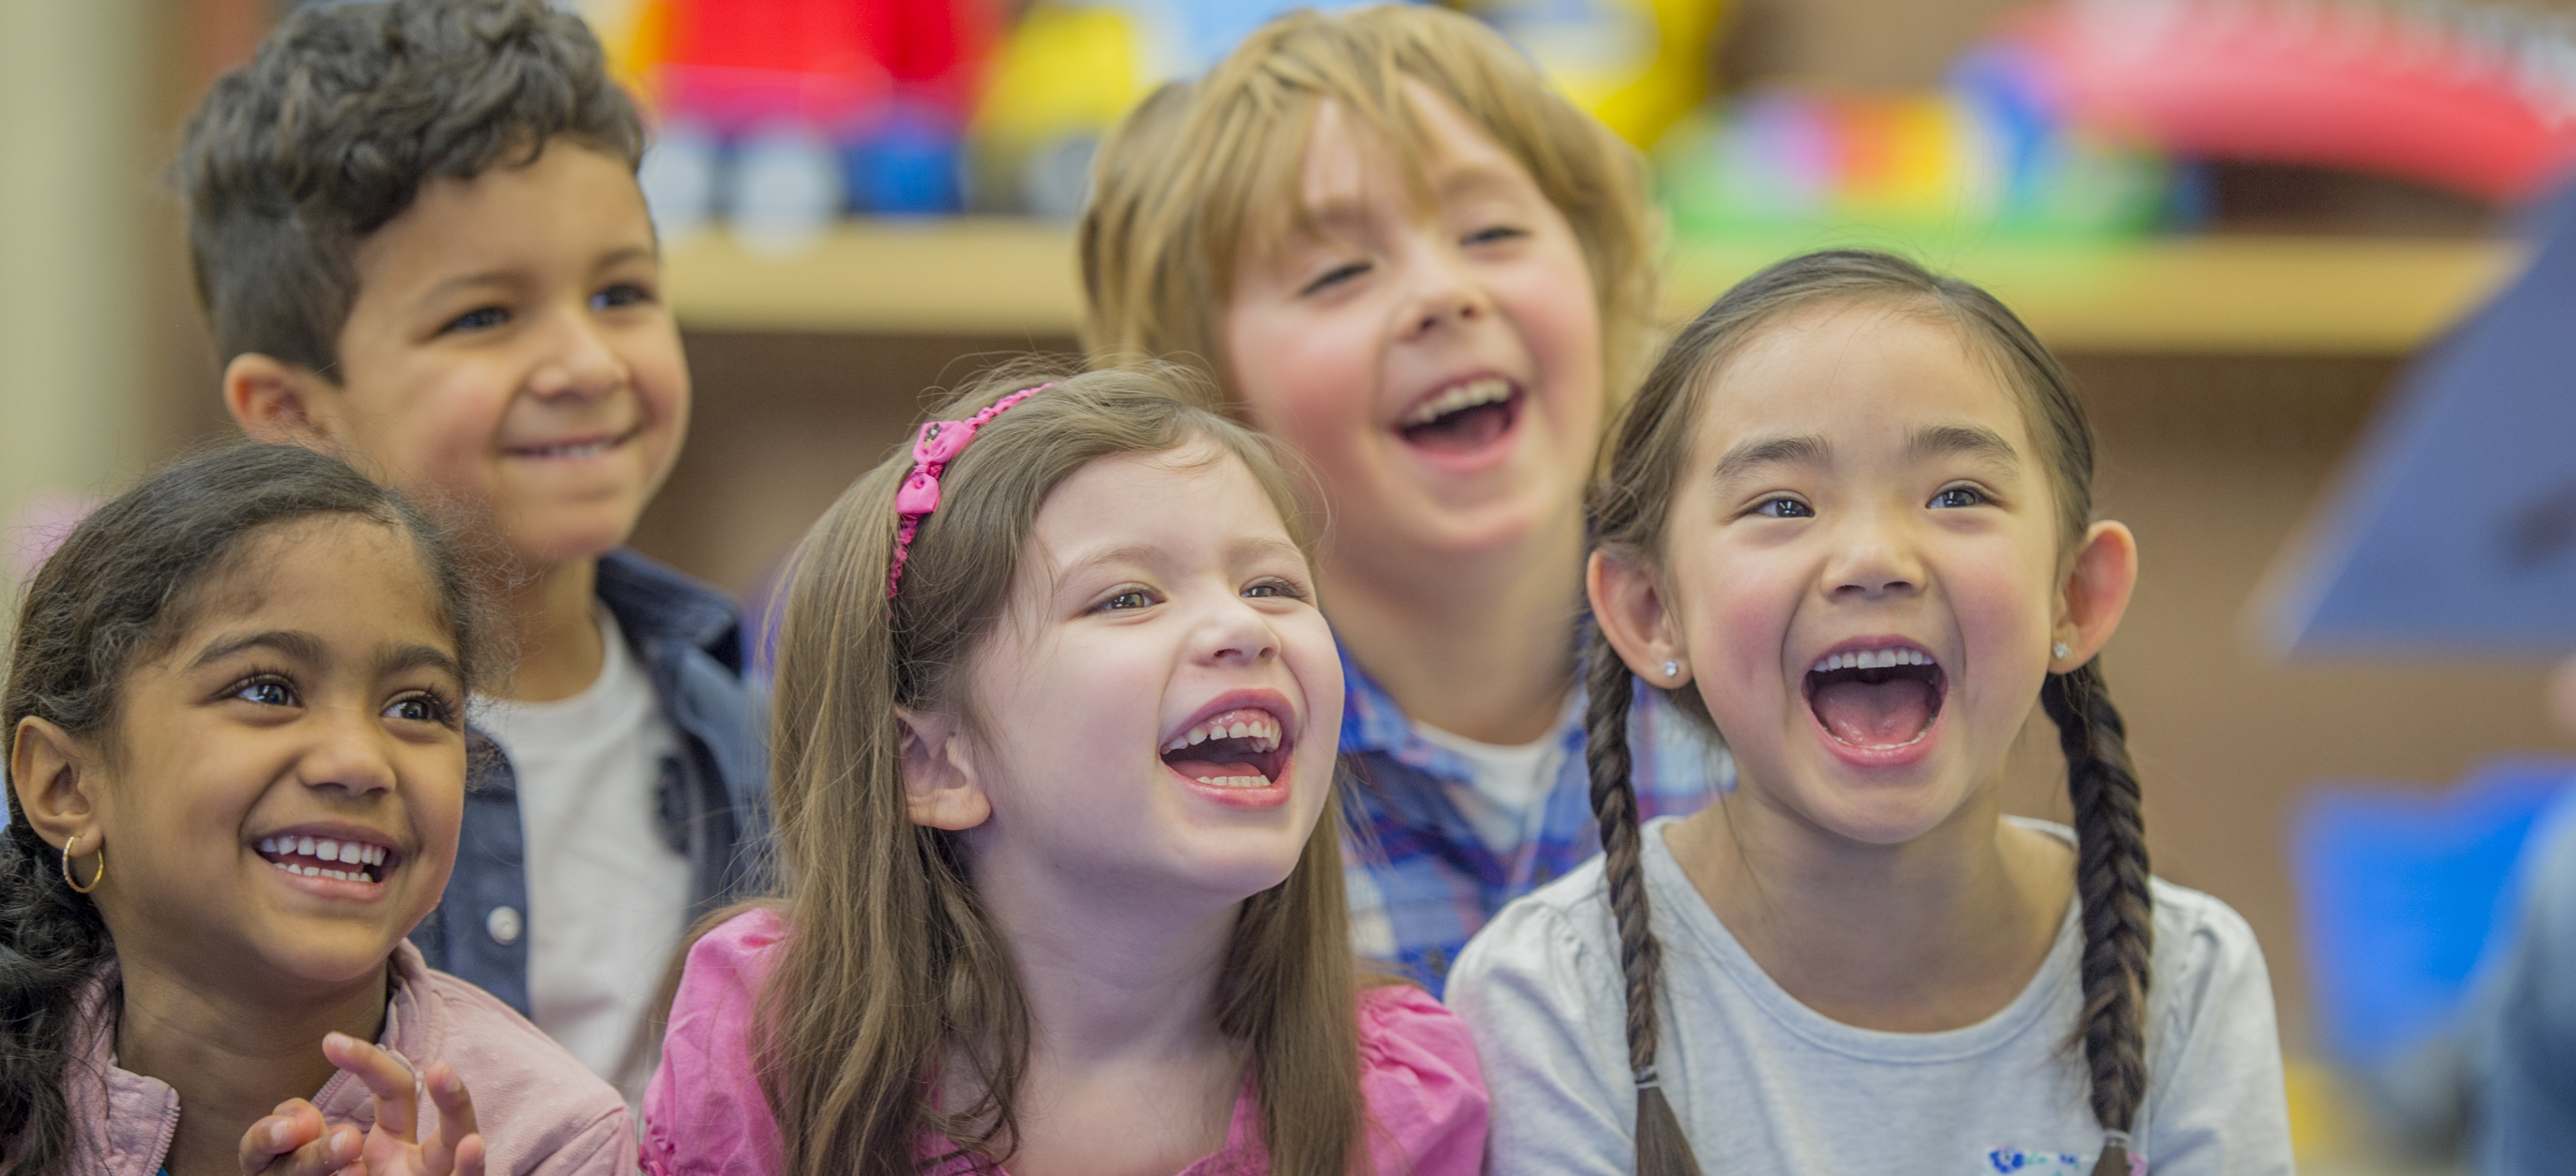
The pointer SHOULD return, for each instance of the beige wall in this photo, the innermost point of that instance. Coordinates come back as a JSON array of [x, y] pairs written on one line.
[[76, 205]]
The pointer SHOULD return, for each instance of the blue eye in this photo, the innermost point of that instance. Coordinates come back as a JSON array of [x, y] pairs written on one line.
[[481, 318], [265, 692], [1784, 508], [1337, 275], [1957, 496], [619, 295]]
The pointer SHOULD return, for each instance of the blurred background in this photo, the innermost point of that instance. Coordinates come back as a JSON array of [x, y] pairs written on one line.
[[2237, 220]]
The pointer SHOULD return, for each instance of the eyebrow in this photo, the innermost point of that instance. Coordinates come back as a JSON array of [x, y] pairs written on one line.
[[1147, 554], [1747, 456], [1964, 441], [303, 647], [309, 649], [406, 658]]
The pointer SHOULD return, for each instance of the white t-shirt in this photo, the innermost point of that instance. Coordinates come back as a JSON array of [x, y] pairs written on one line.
[[606, 894], [1509, 786], [1762, 1083]]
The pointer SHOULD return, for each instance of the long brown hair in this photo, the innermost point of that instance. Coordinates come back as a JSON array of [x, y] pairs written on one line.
[[1204, 169], [1648, 451], [892, 969]]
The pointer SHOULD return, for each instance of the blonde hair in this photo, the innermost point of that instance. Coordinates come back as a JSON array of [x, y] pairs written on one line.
[[1191, 174], [892, 971]]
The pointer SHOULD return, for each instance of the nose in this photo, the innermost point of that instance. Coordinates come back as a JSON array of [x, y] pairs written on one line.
[[1443, 292], [347, 755], [578, 359], [1873, 561], [1238, 635]]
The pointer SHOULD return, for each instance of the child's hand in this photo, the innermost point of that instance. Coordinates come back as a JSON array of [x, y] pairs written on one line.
[[393, 1149], [293, 1141]]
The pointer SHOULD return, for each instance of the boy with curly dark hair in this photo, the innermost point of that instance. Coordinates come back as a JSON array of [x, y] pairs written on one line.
[[418, 237]]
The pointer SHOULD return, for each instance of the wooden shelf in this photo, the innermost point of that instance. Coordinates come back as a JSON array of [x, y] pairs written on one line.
[[2209, 295]]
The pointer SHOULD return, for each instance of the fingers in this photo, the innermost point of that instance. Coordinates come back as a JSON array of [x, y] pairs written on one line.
[[457, 1134], [293, 1142], [469, 1156], [388, 1077]]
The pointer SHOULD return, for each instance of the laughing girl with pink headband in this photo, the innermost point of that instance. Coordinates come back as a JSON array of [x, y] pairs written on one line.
[[1054, 734]]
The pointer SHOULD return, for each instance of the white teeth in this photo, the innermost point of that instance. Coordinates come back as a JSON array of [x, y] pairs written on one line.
[[1234, 781], [1873, 659], [304, 846], [327, 850], [1263, 732], [1490, 390]]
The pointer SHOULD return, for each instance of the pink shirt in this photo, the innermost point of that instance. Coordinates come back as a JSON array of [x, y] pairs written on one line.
[[541, 1112], [704, 1114]]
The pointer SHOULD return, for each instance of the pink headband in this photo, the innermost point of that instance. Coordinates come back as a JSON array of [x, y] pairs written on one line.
[[939, 443]]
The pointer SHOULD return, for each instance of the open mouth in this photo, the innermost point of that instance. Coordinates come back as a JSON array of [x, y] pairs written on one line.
[[1239, 748], [325, 857], [573, 450], [1465, 416], [1878, 698]]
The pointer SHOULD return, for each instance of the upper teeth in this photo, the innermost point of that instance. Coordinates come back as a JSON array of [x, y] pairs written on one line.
[[1873, 659], [573, 449], [1490, 390], [325, 849], [1263, 731]]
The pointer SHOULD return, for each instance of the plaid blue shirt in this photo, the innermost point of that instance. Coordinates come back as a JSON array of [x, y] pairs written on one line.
[[1422, 879]]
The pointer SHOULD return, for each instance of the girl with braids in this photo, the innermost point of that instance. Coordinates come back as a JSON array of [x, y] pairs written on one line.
[[1848, 523], [1053, 751], [243, 681]]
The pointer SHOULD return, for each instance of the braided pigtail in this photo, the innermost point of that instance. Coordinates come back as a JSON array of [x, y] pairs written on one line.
[[2111, 882], [1662, 1150]]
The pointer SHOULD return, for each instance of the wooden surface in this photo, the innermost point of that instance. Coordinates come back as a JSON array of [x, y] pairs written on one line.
[[2204, 296]]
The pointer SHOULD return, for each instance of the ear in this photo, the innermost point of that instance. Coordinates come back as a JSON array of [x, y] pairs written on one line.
[[1628, 603], [940, 786], [2096, 594], [280, 402], [52, 772]]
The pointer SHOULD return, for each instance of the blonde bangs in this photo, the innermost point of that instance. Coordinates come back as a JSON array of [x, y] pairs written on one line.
[[1205, 169]]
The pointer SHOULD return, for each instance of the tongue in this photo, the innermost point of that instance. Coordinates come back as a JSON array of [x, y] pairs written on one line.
[[1207, 769], [1467, 428], [1886, 714]]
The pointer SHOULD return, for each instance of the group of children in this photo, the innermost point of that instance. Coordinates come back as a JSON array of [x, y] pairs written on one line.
[[1658, 729]]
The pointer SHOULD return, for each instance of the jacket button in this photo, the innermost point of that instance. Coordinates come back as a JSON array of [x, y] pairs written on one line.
[[504, 925]]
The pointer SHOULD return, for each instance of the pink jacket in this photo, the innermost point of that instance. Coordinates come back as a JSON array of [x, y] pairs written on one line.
[[540, 1110], [704, 1114]]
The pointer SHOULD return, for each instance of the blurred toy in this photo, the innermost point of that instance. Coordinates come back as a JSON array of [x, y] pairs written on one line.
[[2403, 895], [2475, 99], [1639, 65], [783, 114], [1977, 158], [1073, 68]]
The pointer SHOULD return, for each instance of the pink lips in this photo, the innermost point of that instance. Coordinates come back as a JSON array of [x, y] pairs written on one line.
[[1235, 758]]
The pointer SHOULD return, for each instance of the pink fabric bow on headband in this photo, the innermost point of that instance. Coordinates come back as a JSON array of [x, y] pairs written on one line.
[[938, 444]]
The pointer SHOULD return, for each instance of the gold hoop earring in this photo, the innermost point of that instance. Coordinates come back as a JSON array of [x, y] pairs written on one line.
[[95, 879]]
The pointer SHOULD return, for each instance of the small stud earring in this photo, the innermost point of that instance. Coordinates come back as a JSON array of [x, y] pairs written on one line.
[[2059, 649], [1672, 669]]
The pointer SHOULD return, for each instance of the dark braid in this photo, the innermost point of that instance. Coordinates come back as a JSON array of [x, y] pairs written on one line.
[[1662, 1149], [1649, 459], [2111, 882]]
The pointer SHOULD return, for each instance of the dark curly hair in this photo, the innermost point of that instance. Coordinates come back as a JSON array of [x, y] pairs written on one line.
[[332, 129], [120, 589]]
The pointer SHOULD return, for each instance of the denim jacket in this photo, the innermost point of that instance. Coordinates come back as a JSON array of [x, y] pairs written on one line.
[[714, 790]]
